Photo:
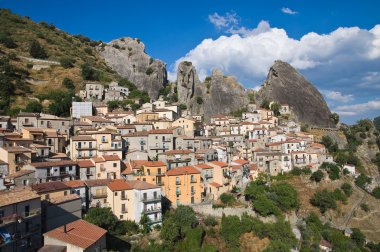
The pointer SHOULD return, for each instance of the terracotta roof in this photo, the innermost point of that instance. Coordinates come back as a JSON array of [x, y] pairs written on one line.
[[111, 158], [161, 131], [141, 185], [325, 243], [98, 159], [136, 164], [174, 152], [97, 182], [119, 185], [236, 167], [97, 119], [17, 149], [82, 138], [50, 187], [136, 134], [75, 183], [65, 198], [218, 163], [241, 161], [127, 170], [79, 233], [20, 173], [18, 194], [182, 171], [253, 167], [86, 163], [214, 184], [53, 163], [127, 126], [203, 166]]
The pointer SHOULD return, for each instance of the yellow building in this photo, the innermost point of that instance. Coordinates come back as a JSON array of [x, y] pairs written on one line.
[[51, 190], [146, 117], [149, 171], [188, 125], [15, 157], [82, 147], [107, 167], [182, 186]]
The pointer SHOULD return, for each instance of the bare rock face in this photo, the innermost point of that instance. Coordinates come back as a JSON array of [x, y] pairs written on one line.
[[218, 94], [127, 57], [285, 84], [187, 80]]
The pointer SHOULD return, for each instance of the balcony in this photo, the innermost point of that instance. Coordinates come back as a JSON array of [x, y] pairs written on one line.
[[99, 195], [208, 176], [155, 221], [151, 199], [167, 140], [84, 148], [159, 147], [193, 180], [102, 169], [189, 146], [179, 160], [15, 217], [178, 193], [160, 183], [89, 173], [124, 197], [192, 192], [178, 182], [124, 211], [27, 124], [152, 210], [142, 143]]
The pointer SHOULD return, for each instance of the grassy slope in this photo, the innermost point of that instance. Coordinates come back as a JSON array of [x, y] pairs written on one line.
[[57, 44]]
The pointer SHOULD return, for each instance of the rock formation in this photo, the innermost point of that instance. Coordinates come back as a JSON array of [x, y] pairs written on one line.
[[285, 84], [218, 94], [127, 57]]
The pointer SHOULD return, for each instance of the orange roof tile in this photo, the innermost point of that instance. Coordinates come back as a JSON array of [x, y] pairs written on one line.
[[119, 185], [86, 163], [218, 163], [182, 171], [203, 166], [75, 183], [79, 233], [214, 184], [241, 161], [111, 158], [174, 152], [161, 131]]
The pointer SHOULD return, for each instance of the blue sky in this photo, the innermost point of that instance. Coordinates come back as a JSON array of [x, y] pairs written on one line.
[[335, 44]]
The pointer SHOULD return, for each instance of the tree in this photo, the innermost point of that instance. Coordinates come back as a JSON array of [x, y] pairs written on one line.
[[324, 200], [275, 107], [89, 73], [126, 227], [36, 50], [227, 198], [358, 237], [362, 180], [102, 217], [67, 62], [334, 172], [7, 41], [199, 100], [68, 83], [210, 221], [376, 192], [317, 176], [376, 122], [265, 104], [144, 222], [335, 117], [149, 71], [34, 107], [331, 146], [231, 230], [183, 106], [284, 195], [347, 189], [264, 206]]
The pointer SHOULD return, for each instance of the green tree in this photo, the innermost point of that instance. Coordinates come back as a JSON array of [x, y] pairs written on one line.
[[7, 40], [68, 83], [264, 206], [89, 73], [317, 176], [231, 230], [36, 50], [199, 100], [67, 62], [183, 106], [334, 172], [265, 104], [144, 222], [284, 195], [275, 107], [102, 217], [324, 200], [376, 192], [347, 189], [149, 71], [227, 198], [335, 117], [362, 180], [126, 227], [34, 107], [376, 122], [358, 237]]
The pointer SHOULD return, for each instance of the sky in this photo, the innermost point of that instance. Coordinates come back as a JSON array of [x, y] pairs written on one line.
[[334, 44]]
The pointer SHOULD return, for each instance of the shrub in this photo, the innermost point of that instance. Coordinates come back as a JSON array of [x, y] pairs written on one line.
[[376, 192], [149, 71], [264, 206], [306, 171], [34, 107], [339, 195], [365, 207], [231, 230], [317, 176], [227, 198], [68, 83], [126, 227], [324, 200], [210, 221], [88, 50], [347, 189], [67, 62], [89, 73], [199, 100], [183, 106], [36, 50], [362, 180], [7, 41], [296, 171], [29, 65], [334, 172]]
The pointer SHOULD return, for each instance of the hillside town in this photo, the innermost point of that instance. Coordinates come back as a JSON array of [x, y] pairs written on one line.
[[54, 169]]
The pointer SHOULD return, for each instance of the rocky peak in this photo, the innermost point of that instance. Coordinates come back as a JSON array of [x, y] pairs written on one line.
[[187, 80], [285, 84], [128, 58]]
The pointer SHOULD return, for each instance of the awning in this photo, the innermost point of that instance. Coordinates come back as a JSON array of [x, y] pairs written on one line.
[[5, 234]]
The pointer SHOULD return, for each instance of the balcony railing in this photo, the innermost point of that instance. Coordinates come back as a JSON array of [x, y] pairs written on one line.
[[160, 183], [159, 147], [178, 193], [124, 211], [142, 143], [179, 160], [167, 140], [124, 197], [152, 210], [151, 199]]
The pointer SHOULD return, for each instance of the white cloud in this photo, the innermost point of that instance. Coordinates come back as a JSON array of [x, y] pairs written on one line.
[[337, 96], [358, 109], [289, 11], [230, 19]]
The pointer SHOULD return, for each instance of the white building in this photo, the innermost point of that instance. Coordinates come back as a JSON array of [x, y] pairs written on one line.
[[80, 109]]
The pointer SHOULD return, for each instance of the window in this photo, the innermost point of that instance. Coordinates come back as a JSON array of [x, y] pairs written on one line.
[[65, 193], [121, 217], [47, 196], [115, 193], [63, 123], [114, 164], [1, 213], [42, 122], [25, 182]]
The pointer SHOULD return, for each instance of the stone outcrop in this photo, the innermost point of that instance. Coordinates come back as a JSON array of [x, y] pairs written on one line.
[[127, 57], [285, 84], [218, 94]]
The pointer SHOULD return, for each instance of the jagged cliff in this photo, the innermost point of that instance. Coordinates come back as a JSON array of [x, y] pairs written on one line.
[[218, 94], [285, 84], [128, 58]]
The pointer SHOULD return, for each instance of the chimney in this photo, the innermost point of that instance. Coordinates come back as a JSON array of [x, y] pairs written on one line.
[[64, 229]]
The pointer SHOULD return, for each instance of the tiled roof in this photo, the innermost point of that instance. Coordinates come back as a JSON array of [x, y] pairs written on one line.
[[214, 184], [75, 183], [218, 163], [161, 131], [97, 182], [53, 163], [79, 233], [136, 134], [65, 198], [17, 149], [119, 185], [241, 161], [18, 194], [97, 119], [141, 185], [82, 138], [183, 171], [86, 163], [50, 187], [19, 174], [111, 158], [203, 166]]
